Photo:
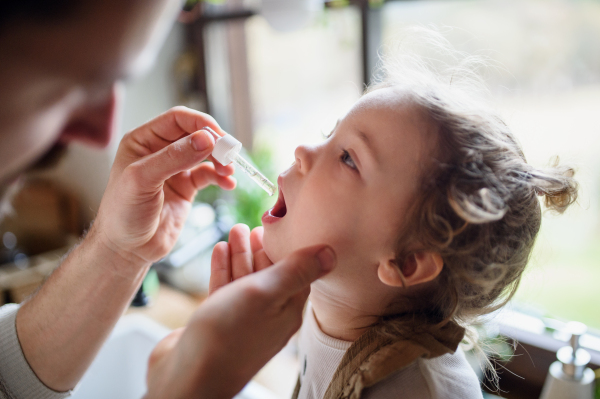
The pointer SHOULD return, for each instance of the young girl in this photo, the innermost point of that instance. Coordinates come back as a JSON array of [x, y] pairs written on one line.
[[427, 200]]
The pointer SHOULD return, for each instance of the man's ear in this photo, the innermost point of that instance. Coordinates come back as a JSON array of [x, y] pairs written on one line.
[[420, 267]]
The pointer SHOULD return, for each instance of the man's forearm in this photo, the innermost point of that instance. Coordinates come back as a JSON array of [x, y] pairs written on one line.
[[64, 325]]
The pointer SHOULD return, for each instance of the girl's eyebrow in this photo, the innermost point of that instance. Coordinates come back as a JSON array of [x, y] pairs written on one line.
[[333, 130], [365, 139]]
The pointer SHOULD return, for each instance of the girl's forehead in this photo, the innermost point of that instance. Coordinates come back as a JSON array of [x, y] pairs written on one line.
[[392, 106], [384, 98]]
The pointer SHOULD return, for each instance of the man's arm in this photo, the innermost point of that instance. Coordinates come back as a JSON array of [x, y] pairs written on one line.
[[154, 178], [64, 325]]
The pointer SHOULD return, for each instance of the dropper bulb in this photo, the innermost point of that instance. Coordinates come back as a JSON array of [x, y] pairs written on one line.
[[227, 150]]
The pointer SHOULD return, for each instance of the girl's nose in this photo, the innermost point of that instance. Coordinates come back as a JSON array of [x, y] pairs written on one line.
[[304, 155], [95, 123]]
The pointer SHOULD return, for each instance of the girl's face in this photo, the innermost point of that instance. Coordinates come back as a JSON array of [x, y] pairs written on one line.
[[353, 190]]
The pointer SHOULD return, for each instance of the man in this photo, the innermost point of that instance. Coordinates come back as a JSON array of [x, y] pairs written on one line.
[[60, 64]]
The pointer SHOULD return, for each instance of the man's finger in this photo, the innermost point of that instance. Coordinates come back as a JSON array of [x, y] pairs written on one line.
[[171, 126], [152, 171], [165, 346], [187, 183], [241, 254], [207, 173], [220, 267], [223, 170], [296, 272]]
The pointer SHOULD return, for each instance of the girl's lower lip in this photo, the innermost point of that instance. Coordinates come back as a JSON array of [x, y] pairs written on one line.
[[267, 218]]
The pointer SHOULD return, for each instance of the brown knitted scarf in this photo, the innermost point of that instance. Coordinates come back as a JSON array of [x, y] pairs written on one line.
[[374, 356]]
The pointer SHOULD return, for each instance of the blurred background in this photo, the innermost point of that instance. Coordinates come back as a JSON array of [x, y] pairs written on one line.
[[277, 74]]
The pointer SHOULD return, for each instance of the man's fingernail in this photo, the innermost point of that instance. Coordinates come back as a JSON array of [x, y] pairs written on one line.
[[202, 140], [326, 257]]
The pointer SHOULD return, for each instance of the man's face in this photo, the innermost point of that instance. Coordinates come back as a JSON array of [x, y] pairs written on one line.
[[58, 78]]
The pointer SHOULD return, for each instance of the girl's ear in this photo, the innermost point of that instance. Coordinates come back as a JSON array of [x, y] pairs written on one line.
[[420, 267]]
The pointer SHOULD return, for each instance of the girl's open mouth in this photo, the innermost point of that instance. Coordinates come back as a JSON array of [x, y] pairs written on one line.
[[278, 211]]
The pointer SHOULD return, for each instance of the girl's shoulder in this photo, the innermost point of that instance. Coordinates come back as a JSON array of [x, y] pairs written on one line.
[[446, 376]]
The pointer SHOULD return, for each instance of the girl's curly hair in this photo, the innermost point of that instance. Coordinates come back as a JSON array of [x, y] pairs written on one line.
[[478, 206]]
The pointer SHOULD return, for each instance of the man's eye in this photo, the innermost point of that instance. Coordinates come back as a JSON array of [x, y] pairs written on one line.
[[347, 159]]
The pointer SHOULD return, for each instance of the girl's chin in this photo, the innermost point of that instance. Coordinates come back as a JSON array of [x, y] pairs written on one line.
[[273, 251], [274, 259]]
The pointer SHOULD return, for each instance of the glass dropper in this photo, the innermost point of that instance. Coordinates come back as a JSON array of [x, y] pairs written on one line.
[[227, 150]]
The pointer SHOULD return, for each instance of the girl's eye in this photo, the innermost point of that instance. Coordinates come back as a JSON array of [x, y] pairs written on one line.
[[347, 159]]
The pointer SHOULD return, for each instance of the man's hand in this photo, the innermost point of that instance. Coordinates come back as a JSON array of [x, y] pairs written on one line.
[[156, 175], [237, 329]]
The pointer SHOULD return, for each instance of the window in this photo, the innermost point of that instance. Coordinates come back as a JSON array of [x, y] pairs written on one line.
[[547, 89], [549, 94], [302, 81]]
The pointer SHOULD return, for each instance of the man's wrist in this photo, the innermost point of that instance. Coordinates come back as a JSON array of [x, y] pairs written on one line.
[[123, 263]]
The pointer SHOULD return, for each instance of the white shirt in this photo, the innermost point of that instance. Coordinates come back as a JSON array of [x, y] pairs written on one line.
[[447, 376], [17, 379]]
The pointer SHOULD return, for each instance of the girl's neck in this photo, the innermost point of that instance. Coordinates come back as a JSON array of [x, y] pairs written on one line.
[[341, 318]]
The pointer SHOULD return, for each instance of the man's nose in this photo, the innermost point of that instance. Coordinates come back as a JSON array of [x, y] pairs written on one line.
[[95, 123]]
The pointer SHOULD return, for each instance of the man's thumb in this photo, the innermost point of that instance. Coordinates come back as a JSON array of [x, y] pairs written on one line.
[[297, 271]]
